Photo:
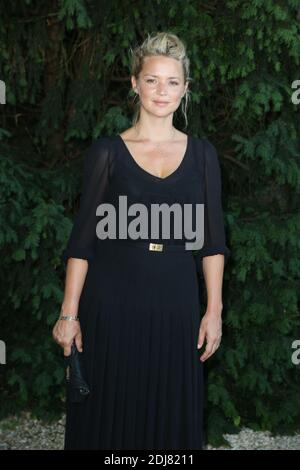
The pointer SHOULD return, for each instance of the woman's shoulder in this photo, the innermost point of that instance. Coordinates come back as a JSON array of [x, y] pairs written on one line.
[[205, 154], [205, 146], [101, 146], [203, 141], [101, 142], [99, 153]]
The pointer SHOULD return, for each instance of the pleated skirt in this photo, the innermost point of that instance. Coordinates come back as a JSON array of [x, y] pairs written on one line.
[[139, 316]]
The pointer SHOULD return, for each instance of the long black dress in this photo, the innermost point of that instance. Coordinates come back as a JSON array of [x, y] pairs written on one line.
[[139, 309]]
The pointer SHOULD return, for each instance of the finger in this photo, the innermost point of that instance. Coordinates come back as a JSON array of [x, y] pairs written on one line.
[[78, 342], [206, 353], [201, 338], [67, 350], [213, 350], [208, 350]]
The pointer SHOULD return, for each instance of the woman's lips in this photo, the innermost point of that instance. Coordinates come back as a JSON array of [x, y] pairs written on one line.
[[161, 103]]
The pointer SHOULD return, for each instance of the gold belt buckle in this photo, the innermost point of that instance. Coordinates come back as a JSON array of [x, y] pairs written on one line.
[[156, 246]]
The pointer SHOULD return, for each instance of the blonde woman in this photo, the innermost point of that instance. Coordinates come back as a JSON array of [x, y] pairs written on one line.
[[136, 296]]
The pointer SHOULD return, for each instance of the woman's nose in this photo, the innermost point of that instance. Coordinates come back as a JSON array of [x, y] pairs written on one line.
[[161, 89]]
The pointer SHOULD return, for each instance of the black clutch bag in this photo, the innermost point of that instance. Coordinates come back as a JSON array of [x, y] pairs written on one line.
[[76, 380]]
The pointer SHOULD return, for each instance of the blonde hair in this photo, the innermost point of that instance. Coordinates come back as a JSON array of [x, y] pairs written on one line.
[[166, 44]]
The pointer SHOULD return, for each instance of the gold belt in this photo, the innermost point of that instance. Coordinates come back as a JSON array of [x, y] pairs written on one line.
[[156, 246]]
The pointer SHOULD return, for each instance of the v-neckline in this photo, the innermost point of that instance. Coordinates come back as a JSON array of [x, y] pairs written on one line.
[[147, 173]]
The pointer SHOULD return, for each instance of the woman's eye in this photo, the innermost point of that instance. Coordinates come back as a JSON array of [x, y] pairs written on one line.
[[151, 80]]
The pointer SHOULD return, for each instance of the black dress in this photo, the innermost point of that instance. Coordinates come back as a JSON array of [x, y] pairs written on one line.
[[139, 309]]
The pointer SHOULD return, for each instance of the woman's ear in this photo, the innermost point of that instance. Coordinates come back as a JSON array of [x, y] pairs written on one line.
[[134, 84]]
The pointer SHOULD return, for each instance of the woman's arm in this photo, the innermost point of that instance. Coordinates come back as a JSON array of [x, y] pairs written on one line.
[[211, 323], [75, 277], [213, 269], [213, 254], [64, 332], [81, 247]]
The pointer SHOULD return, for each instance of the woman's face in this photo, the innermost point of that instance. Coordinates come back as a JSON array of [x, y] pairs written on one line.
[[160, 85]]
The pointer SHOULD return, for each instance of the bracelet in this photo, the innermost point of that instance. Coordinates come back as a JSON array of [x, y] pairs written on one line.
[[68, 317]]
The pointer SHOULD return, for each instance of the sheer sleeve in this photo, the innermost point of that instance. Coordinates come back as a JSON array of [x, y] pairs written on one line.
[[96, 172], [214, 231]]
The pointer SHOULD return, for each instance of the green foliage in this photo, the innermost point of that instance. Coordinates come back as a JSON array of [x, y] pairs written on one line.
[[34, 229], [66, 69]]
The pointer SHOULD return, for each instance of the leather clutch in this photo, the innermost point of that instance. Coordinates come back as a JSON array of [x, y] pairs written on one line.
[[76, 378]]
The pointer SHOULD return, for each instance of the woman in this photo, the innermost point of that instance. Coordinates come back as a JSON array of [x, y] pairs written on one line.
[[137, 299]]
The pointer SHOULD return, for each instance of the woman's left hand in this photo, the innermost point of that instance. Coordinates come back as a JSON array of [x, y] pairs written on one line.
[[211, 329]]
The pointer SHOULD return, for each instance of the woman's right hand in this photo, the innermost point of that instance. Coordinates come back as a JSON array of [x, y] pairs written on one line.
[[64, 332]]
